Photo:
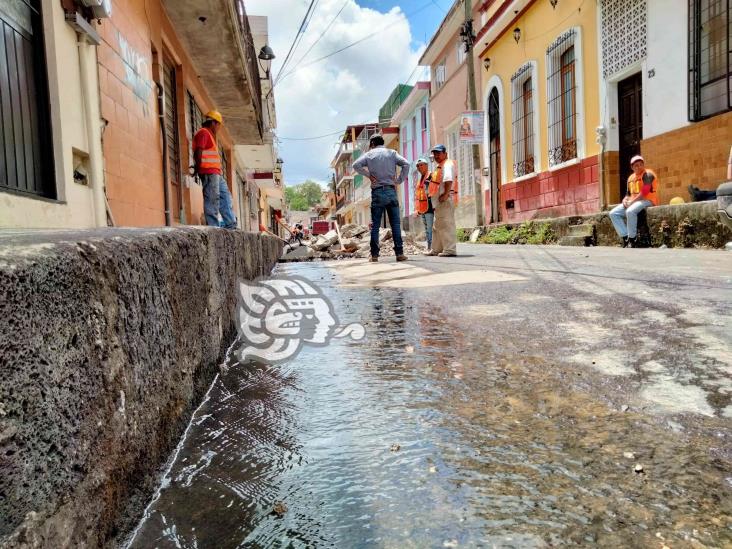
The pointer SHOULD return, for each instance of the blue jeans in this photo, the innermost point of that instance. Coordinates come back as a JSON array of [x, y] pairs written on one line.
[[385, 199], [619, 214], [428, 219], [217, 198]]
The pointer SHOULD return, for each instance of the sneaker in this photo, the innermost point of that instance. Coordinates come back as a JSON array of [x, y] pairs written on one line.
[[374, 259], [632, 242], [624, 244], [429, 252], [445, 254], [401, 258]]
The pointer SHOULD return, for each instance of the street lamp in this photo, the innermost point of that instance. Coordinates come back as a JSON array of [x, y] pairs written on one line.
[[554, 3], [487, 63], [278, 164], [517, 34], [266, 54]]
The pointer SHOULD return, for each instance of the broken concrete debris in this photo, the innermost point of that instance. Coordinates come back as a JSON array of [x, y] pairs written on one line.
[[354, 242]]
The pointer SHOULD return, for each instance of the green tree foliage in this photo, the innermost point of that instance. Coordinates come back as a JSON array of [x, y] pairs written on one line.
[[303, 196]]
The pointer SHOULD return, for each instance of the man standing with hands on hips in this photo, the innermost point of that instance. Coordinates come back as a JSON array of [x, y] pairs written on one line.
[[443, 191], [379, 164]]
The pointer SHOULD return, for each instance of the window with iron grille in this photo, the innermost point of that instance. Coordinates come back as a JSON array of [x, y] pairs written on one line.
[[710, 58], [562, 91], [194, 122], [440, 74], [523, 94], [171, 121]]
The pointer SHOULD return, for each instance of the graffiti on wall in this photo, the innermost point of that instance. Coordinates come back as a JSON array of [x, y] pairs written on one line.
[[137, 72]]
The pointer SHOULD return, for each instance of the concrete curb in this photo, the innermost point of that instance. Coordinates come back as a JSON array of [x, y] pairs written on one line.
[[108, 340]]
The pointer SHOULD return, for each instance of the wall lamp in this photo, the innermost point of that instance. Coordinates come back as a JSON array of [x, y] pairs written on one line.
[[554, 3], [517, 34], [487, 63], [278, 164], [266, 54]]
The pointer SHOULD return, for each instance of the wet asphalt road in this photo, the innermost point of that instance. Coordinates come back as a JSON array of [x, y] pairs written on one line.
[[523, 387]]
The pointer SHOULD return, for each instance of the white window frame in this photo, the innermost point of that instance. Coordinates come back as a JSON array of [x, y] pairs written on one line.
[[440, 76], [526, 71], [461, 55], [553, 61]]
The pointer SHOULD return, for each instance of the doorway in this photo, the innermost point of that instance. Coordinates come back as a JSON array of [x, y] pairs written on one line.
[[494, 143], [630, 115]]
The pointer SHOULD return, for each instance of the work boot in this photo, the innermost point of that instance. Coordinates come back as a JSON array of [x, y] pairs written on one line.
[[430, 252], [445, 254], [401, 258], [625, 242], [632, 242], [374, 259]]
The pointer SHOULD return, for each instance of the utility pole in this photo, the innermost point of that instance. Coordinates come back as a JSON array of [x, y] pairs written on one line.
[[468, 38]]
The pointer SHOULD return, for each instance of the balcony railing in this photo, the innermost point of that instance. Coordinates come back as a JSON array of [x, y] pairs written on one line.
[[250, 53]]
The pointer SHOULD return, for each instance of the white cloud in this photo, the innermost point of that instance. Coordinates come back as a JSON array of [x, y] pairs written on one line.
[[347, 88]]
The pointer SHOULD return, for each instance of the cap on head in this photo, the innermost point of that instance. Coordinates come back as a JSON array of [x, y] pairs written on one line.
[[215, 116], [636, 158], [421, 160], [439, 149]]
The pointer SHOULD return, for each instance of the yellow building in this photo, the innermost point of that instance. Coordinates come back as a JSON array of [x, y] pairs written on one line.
[[540, 95]]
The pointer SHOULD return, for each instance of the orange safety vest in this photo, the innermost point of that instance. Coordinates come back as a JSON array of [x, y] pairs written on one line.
[[636, 185], [210, 158], [436, 180], [420, 196]]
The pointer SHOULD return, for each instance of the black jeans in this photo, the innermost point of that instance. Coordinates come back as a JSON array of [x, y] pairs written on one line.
[[385, 199]]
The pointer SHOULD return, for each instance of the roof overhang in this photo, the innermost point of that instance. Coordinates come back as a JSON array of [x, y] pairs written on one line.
[[448, 28], [418, 93]]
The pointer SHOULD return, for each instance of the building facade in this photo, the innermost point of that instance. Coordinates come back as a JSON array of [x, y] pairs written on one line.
[[541, 108], [665, 92], [412, 121], [51, 168], [446, 56], [105, 127]]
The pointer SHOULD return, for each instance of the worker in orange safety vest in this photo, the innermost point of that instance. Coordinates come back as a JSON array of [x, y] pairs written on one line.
[[216, 195], [443, 193]]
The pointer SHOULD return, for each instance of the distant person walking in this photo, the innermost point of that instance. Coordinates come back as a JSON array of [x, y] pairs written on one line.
[[423, 201], [642, 193], [443, 191], [216, 195], [380, 164]]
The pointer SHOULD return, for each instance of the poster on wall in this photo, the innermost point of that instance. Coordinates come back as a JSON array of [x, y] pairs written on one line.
[[471, 127]]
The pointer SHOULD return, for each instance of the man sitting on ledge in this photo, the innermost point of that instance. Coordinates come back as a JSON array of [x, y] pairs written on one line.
[[642, 193]]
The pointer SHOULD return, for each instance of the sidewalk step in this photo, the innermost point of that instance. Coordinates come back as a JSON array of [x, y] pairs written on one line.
[[582, 230], [574, 241]]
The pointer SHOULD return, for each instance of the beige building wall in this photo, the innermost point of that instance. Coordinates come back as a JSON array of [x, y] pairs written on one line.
[[74, 206]]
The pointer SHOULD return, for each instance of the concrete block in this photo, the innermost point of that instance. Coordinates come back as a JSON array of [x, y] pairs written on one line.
[[108, 340]]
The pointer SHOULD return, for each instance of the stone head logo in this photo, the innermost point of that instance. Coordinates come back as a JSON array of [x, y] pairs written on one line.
[[277, 316]]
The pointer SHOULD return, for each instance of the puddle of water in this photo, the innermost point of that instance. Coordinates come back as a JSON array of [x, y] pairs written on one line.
[[494, 449]]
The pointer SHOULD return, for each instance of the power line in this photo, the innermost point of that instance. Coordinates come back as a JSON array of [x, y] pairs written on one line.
[[313, 137], [425, 6], [294, 41], [322, 34]]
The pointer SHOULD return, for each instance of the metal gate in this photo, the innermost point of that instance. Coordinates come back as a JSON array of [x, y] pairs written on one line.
[[26, 159]]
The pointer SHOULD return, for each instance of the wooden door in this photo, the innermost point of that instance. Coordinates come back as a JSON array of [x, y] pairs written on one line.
[[630, 114]]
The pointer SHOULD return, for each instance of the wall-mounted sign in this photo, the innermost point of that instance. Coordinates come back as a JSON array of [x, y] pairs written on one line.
[[471, 127]]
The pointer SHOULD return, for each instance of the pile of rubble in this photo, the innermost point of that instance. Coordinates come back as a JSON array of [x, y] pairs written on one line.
[[354, 242]]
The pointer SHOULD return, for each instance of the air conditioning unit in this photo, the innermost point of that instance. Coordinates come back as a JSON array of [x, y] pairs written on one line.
[[100, 8]]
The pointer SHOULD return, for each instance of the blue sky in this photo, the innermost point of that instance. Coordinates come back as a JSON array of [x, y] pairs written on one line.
[[318, 97]]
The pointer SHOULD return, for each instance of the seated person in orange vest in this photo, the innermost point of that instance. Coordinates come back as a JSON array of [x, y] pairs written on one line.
[[642, 193], [216, 195]]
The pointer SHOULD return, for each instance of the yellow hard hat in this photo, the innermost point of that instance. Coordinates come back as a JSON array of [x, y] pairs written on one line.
[[215, 115], [676, 200]]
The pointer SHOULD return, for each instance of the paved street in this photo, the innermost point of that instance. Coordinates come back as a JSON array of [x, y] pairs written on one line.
[[511, 397]]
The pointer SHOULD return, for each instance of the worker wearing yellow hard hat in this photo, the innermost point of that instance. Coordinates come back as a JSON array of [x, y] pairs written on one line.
[[215, 116], [208, 166]]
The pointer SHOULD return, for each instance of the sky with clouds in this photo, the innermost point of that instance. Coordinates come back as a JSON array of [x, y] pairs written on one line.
[[318, 98]]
